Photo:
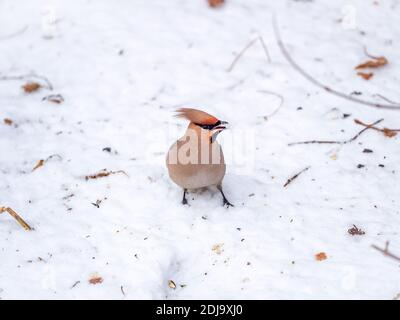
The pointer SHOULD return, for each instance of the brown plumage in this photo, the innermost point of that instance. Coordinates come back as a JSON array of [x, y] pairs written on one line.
[[196, 160]]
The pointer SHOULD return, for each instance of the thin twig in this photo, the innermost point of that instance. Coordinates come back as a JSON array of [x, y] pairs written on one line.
[[75, 284], [362, 131], [54, 156], [280, 104], [386, 99], [41, 162], [265, 49], [250, 44], [319, 84], [369, 55], [386, 131], [370, 126], [56, 98], [104, 173], [16, 33], [295, 176], [386, 251], [366, 125], [16, 217], [28, 76]]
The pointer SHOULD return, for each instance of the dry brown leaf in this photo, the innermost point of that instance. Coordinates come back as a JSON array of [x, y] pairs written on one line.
[[104, 173], [376, 63], [333, 156], [388, 132], [355, 231], [365, 76], [217, 248], [321, 256], [38, 165], [95, 280], [171, 284], [30, 87], [8, 122], [216, 3]]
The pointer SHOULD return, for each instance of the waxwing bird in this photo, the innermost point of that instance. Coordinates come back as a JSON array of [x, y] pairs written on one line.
[[196, 160]]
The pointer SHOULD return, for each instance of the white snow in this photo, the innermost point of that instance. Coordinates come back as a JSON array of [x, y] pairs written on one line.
[[176, 53]]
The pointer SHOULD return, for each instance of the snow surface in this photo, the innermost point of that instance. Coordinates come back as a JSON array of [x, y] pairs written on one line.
[[123, 68]]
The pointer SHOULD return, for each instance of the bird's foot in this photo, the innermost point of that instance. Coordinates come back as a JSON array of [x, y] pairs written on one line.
[[184, 201], [227, 203]]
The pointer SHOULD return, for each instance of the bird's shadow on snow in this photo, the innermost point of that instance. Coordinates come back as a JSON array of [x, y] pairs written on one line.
[[240, 190]]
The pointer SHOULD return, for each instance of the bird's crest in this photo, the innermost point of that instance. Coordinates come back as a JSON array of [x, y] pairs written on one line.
[[196, 116]]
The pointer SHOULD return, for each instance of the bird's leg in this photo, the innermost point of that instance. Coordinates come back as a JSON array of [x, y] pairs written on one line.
[[184, 201], [226, 202]]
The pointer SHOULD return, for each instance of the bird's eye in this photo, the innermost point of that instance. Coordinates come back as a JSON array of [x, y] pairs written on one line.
[[209, 126]]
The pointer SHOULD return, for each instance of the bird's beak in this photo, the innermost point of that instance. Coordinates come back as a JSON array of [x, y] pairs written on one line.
[[222, 126]]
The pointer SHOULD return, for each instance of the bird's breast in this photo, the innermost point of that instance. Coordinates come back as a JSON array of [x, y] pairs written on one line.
[[195, 165]]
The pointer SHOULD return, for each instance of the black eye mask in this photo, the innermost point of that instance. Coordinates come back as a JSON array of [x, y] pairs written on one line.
[[209, 126]]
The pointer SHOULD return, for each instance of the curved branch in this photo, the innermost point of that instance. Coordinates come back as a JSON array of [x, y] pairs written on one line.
[[367, 126], [321, 85], [248, 46], [280, 104], [12, 35]]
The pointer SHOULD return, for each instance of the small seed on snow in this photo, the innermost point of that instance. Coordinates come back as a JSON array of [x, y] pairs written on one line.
[[171, 284]]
